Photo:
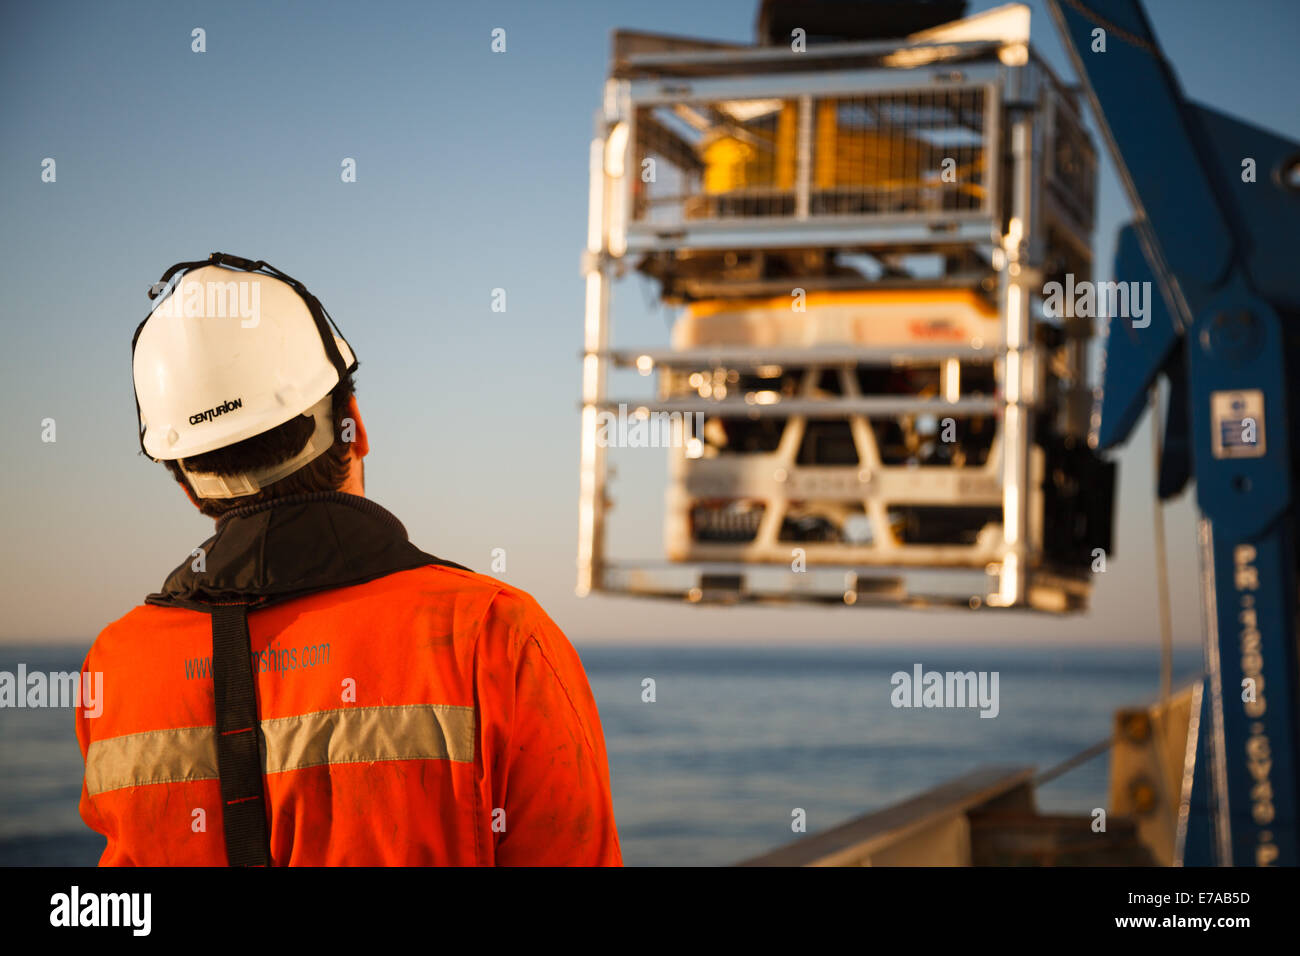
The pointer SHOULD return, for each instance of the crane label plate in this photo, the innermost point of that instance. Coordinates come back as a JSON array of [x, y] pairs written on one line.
[[1237, 423]]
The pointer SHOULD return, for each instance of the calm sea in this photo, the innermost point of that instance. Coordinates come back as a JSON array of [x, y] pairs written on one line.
[[736, 739]]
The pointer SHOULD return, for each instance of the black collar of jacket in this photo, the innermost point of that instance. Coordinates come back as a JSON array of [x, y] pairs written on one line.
[[289, 547]]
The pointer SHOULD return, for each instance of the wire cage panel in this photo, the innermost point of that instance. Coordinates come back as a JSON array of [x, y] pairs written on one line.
[[925, 153]]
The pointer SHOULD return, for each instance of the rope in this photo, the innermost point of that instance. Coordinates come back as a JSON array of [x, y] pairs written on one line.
[[1132, 39], [1080, 758]]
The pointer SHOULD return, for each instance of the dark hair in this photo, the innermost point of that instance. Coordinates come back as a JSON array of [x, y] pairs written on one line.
[[327, 473]]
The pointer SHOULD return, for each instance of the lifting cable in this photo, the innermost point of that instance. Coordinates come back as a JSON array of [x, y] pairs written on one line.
[[1162, 565]]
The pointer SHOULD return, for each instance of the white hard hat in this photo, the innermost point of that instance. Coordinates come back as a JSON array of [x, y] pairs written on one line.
[[229, 353]]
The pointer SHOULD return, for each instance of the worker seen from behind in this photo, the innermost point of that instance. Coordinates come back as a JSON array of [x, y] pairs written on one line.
[[308, 687]]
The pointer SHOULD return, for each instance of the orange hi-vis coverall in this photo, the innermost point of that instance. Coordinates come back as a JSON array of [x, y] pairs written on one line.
[[409, 711]]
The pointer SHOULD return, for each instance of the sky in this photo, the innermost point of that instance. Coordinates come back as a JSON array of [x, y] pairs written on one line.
[[471, 176]]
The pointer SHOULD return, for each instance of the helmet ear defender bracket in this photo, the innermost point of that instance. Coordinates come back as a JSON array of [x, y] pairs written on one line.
[[207, 485]]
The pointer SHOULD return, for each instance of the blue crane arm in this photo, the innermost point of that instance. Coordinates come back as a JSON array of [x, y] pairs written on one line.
[[1217, 215]]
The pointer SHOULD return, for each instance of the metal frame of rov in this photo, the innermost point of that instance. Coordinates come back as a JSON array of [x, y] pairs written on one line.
[[913, 167]]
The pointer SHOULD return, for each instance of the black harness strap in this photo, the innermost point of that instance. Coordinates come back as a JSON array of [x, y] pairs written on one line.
[[239, 758]]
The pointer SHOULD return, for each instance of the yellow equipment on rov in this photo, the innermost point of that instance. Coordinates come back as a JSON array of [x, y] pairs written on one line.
[[761, 154]]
